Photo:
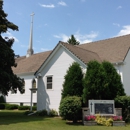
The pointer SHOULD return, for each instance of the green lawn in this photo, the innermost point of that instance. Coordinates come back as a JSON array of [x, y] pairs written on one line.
[[16, 120]]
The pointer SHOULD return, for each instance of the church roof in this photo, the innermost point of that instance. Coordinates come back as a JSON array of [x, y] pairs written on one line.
[[30, 64], [83, 54], [112, 50]]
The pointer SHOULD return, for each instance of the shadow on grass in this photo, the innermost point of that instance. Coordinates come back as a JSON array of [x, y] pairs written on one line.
[[14, 116], [78, 123]]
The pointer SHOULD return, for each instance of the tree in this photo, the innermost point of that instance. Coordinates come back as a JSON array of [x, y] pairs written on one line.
[[72, 85], [8, 80], [73, 41], [102, 82], [113, 81]]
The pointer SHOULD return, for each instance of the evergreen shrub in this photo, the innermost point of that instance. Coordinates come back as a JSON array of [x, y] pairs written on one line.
[[70, 108], [124, 103], [73, 85]]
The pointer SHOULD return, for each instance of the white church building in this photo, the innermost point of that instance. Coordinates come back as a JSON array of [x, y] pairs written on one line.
[[46, 70]]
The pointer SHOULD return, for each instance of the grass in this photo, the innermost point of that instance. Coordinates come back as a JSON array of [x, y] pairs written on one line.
[[16, 120]]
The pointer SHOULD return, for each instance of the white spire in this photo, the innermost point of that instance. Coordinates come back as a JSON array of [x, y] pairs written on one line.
[[30, 49]]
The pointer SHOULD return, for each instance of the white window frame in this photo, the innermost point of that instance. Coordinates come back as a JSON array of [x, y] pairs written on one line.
[[48, 76]]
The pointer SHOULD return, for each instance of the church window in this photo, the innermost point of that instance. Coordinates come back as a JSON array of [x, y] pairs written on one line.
[[34, 85], [49, 82]]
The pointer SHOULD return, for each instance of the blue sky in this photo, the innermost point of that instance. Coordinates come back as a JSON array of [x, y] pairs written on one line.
[[56, 20]]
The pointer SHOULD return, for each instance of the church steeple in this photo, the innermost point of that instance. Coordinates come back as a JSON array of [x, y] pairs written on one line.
[[30, 49]]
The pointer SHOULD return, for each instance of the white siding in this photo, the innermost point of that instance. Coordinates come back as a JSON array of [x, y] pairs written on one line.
[[57, 66], [23, 98], [126, 74]]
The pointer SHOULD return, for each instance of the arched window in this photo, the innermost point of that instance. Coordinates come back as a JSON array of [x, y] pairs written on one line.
[[34, 83]]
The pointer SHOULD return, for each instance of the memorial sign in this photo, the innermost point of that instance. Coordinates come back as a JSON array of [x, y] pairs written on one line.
[[102, 107]]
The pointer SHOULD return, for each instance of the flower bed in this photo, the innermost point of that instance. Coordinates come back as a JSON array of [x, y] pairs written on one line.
[[92, 120], [117, 118]]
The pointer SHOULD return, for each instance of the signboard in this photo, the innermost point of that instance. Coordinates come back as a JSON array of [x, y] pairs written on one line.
[[102, 107]]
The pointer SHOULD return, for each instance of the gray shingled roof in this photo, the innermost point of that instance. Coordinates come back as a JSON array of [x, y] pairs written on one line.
[[30, 64], [84, 55], [112, 50]]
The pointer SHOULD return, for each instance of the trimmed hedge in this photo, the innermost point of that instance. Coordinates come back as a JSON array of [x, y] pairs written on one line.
[[23, 107], [15, 106], [11, 106]]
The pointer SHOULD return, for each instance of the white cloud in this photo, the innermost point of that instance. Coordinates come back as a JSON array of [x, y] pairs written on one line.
[[86, 37], [56, 36], [124, 31], [62, 3], [47, 6], [44, 49], [79, 37], [63, 37], [116, 24], [119, 7], [9, 35]]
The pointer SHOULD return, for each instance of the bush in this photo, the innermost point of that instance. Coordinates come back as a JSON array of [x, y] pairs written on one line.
[[70, 107], [53, 113], [124, 103], [34, 108], [42, 113], [2, 99], [103, 121], [11, 106], [23, 107], [2, 106]]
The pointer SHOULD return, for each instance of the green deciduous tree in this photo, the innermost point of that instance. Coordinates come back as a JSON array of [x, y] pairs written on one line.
[[102, 82], [73, 41], [8, 80], [72, 85]]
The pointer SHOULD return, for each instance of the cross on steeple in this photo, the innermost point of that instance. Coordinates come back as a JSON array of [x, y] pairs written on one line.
[[30, 49]]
